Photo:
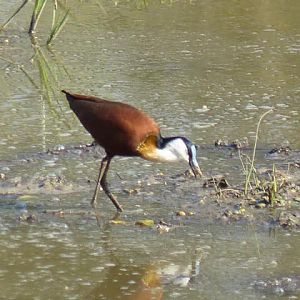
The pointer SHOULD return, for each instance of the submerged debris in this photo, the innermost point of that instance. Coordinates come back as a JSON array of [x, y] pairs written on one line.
[[282, 150], [236, 144], [163, 227], [27, 217], [279, 286]]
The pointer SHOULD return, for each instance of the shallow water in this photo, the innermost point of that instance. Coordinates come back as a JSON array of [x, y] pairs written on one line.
[[202, 70]]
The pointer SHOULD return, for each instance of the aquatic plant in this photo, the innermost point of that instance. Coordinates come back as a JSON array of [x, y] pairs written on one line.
[[273, 188], [37, 11], [57, 25], [39, 5], [47, 65], [249, 172], [13, 15]]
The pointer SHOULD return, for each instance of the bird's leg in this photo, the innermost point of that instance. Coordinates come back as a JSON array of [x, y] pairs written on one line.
[[101, 172], [103, 183]]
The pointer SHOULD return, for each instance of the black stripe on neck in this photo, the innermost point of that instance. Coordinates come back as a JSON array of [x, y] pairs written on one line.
[[163, 141]]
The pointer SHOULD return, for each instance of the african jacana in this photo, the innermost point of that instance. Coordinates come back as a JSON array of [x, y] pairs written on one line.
[[123, 130]]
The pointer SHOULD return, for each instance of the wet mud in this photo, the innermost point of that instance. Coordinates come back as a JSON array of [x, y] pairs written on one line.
[[272, 200]]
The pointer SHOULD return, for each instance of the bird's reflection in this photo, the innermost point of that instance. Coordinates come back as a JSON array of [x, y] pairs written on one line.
[[143, 282], [129, 282], [128, 278]]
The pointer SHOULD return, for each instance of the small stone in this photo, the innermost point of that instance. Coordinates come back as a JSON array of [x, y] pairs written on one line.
[[181, 213], [202, 201]]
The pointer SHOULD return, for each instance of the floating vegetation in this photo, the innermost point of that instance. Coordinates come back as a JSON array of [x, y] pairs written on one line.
[[117, 222], [146, 223]]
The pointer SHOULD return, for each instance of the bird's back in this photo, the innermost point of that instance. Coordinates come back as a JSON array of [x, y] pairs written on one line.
[[119, 128]]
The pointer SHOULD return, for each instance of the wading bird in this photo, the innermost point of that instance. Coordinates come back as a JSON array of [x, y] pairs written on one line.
[[123, 130]]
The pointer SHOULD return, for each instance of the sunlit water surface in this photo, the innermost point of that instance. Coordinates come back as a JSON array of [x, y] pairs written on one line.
[[203, 70]]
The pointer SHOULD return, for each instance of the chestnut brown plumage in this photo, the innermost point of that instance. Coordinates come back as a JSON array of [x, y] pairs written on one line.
[[123, 130]]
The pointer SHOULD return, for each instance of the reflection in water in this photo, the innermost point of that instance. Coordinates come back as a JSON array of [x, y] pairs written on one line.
[[74, 258], [144, 282], [129, 282], [139, 281]]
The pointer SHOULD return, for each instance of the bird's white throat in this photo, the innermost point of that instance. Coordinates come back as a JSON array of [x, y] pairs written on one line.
[[174, 150]]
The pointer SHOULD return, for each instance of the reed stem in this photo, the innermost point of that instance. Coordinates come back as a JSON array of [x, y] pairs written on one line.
[[250, 171]]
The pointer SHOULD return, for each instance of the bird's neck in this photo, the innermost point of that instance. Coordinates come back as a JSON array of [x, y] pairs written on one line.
[[157, 148]]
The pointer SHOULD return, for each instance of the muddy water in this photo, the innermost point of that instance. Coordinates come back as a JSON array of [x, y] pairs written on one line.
[[204, 71]]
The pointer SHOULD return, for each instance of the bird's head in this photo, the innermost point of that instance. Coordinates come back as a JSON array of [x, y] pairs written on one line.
[[180, 148], [170, 149]]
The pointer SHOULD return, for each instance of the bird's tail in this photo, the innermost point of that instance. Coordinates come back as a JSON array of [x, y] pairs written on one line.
[[69, 96]]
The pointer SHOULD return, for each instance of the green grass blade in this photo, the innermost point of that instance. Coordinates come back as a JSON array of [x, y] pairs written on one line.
[[57, 28], [37, 11], [13, 15]]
